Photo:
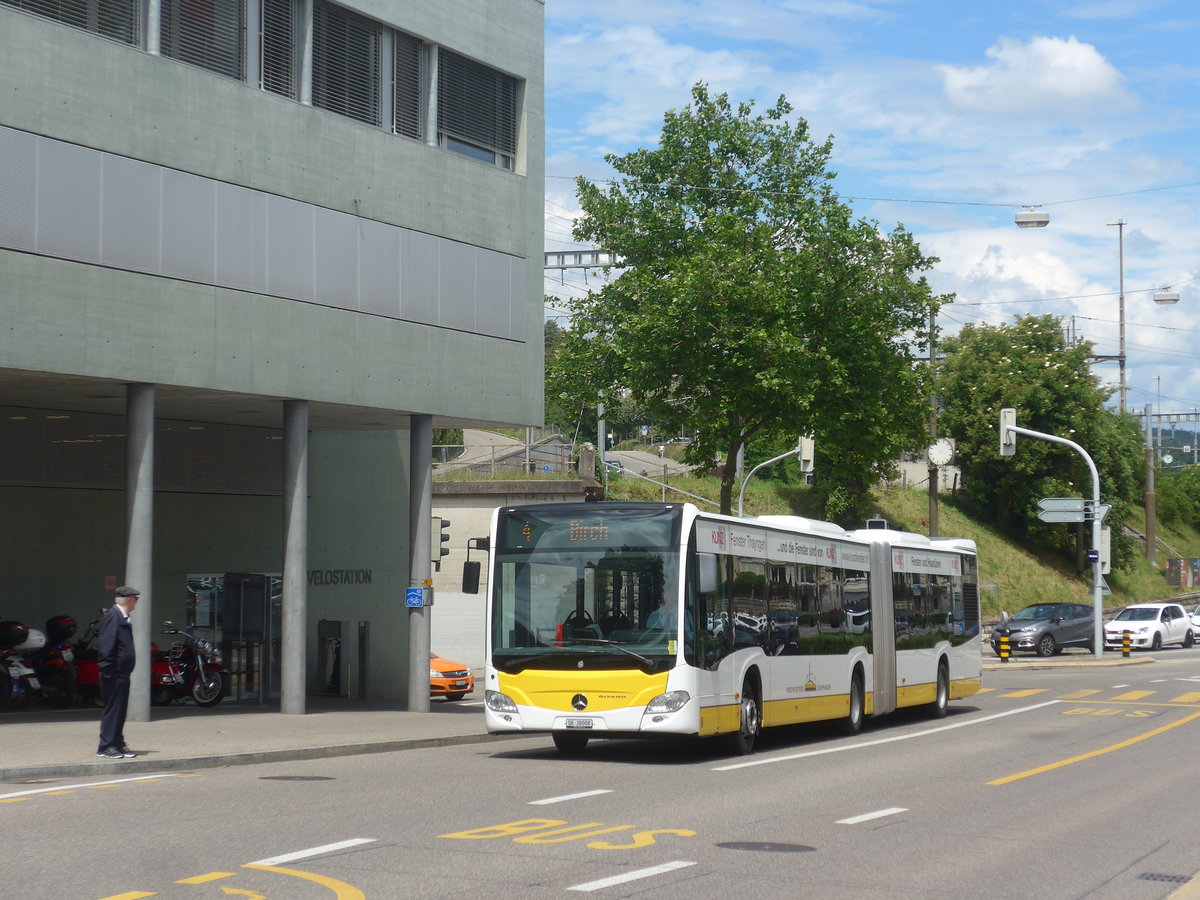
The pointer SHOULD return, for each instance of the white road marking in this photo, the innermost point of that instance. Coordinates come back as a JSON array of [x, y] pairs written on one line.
[[75, 787], [1117, 687], [631, 876], [312, 851], [867, 817], [550, 800], [887, 740]]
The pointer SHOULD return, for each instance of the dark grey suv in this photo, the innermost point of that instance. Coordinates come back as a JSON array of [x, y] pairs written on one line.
[[1045, 628]]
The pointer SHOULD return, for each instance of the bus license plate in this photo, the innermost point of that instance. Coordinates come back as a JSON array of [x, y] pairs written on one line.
[[579, 723]]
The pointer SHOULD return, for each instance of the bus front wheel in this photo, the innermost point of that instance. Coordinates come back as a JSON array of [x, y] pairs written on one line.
[[749, 720]]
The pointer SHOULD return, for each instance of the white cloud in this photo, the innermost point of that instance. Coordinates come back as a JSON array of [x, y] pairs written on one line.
[[1042, 75]]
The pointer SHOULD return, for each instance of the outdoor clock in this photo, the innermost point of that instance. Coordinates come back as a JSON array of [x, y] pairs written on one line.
[[941, 452]]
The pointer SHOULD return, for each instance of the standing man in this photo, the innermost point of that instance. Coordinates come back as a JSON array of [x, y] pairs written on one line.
[[116, 661]]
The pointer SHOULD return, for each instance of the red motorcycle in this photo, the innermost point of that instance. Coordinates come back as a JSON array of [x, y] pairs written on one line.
[[190, 668], [87, 669]]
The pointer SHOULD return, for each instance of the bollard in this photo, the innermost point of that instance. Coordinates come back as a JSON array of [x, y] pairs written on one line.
[[1126, 643], [1004, 651]]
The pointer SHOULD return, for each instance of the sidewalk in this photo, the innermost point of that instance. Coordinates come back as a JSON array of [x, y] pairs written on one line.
[[42, 743]]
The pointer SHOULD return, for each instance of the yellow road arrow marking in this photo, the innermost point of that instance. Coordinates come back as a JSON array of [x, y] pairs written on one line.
[[342, 890]]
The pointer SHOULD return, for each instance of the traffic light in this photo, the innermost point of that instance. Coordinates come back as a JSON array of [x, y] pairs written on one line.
[[440, 535], [1008, 437]]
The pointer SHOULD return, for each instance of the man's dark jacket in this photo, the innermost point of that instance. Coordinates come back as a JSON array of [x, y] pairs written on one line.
[[116, 655]]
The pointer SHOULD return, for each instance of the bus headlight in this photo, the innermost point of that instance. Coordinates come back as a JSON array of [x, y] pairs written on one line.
[[498, 702], [672, 701]]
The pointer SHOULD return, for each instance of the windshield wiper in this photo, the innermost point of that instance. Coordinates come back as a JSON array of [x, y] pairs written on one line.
[[604, 642]]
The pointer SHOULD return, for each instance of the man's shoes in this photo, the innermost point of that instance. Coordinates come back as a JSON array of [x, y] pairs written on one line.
[[110, 753], [127, 753]]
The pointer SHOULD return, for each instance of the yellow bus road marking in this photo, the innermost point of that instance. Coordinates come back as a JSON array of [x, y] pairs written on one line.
[[1193, 697], [550, 831], [1094, 753], [130, 895], [1031, 692], [58, 793], [984, 690], [252, 895], [1131, 695], [15, 800], [1078, 695], [204, 879]]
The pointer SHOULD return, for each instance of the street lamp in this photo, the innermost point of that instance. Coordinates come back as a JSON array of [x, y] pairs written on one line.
[[1033, 217]]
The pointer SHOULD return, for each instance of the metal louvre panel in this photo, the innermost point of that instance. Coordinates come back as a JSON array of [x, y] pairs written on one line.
[[279, 41], [206, 33], [406, 86], [115, 19], [346, 59], [477, 104]]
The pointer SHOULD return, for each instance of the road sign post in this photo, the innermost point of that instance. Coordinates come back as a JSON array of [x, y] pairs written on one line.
[[1008, 446]]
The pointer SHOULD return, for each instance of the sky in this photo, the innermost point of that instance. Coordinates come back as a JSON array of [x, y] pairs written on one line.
[[948, 117]]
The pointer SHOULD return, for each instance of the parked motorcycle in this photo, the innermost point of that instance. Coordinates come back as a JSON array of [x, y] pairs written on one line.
[[54, 663], [18, 681], [190, 668]]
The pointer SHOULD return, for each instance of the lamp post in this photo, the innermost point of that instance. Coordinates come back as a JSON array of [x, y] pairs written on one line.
[[1120, 223], [1033, 217]]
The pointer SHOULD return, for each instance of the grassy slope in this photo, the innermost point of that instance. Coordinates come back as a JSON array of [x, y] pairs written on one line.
[[1011, 576]]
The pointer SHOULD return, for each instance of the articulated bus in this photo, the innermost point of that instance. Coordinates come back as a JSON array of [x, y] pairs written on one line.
[[627, 619]]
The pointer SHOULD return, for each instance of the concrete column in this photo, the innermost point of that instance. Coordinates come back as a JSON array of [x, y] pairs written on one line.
[[153, 34], [304, 13], [431, 93], [420, 572], [139, 539], [295, 557]]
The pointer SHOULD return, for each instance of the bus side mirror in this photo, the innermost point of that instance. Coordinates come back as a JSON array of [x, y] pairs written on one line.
[[470, 580]]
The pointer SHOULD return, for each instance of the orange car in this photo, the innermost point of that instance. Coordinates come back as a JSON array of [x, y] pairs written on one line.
[[449, 679]]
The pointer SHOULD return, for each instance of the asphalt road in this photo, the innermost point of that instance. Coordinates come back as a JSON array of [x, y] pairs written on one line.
[[1051, 783]]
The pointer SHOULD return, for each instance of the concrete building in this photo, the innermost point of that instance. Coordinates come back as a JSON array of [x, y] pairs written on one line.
[[251, 253]]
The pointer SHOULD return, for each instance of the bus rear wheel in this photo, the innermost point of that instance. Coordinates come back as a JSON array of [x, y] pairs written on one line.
[[852, 724], [749, 720], [941, 699], [570, 742]]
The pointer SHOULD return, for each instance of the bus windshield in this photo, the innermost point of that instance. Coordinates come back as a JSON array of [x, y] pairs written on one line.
[[604, 584]]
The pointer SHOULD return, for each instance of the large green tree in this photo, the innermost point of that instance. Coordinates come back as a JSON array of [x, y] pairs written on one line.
[[1027, 365], [751, 301]]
